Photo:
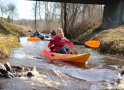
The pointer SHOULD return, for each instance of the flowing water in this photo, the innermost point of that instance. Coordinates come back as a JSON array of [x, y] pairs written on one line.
[[100, 71]]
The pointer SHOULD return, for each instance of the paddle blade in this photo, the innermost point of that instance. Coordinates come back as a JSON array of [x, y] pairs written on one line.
[[33, 39], [92, 43]]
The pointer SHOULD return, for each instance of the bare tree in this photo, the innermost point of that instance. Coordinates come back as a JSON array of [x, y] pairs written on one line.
[[3, 8], [12, 12], [62, 15], [35, 14], [65, 31], [80, 17], [50, 12], [39, 9], [47, 11]]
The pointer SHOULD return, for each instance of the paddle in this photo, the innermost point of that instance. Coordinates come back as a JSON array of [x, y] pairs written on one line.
[[90, 43], [34, 39]]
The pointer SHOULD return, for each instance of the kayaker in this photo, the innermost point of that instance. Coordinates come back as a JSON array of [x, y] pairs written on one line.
[[38, 34], [57, 43], [53, 33]]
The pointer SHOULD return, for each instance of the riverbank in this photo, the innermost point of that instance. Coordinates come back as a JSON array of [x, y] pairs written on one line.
[[111, 40], [7, 42], [9, 37]]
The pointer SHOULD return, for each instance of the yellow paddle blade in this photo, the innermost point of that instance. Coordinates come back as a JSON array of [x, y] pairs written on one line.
[[33, 39], [92, 43]]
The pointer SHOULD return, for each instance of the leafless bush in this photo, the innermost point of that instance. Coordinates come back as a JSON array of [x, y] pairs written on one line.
[[80, 28]]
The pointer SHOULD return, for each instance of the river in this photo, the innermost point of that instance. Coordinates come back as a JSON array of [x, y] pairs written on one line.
[[100, 71]]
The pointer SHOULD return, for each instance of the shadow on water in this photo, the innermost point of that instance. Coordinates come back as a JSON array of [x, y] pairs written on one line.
[[96, 74]]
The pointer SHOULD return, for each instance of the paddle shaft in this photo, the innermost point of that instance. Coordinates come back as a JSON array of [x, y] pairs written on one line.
[[56, 40], [66, 42], [33, 39]]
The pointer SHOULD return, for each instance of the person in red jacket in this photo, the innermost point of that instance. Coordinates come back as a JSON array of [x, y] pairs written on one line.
[[57, 43]]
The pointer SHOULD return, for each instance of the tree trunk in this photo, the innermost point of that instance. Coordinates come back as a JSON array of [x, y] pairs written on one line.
[[65, 32], [35, 14]]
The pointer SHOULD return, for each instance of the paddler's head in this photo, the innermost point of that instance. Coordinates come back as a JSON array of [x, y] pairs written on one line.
[[60, 33]]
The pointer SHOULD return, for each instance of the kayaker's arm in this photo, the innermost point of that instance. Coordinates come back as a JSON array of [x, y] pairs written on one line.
[[50, 43]]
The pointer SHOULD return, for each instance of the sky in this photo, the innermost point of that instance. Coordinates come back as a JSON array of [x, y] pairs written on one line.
[[24, 8]]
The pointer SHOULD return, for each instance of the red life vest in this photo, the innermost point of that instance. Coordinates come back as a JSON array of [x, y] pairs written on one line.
[[57, 43]]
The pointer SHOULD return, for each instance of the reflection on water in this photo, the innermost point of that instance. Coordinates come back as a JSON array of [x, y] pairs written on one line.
[[98, 73]]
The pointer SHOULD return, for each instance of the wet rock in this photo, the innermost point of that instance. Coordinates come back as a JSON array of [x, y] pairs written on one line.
[[33, 72], [2, 66], [8, 75], [120, 85], [8, 67], [5, 74], [7, 71], [16, 69], [4, 70], [122, 73], [121, 82], [29, 74]]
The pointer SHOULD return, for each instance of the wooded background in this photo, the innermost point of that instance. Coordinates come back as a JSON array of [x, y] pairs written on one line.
[[51, 15]]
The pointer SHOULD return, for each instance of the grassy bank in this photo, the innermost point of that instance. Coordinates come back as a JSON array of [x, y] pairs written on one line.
[[112, 40], [15, 30], [9, 37], [7, 42]]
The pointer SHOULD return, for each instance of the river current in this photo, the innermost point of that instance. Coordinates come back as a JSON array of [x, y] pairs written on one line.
[[100, 71]]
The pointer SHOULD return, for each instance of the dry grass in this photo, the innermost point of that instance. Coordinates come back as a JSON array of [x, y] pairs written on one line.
[[9, 34], [112, 40], [16, 30], [6, 44]]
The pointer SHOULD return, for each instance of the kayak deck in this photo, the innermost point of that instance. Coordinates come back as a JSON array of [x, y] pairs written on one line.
[[82, 58]]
